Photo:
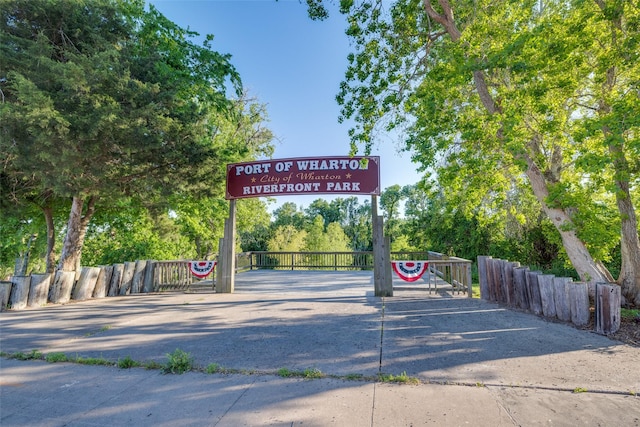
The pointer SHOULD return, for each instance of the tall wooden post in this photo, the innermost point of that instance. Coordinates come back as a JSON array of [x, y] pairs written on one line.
[[227, 263], [382, 282]]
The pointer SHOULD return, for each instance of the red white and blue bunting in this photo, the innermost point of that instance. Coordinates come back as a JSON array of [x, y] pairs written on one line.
[[410, 271], [202, 269]]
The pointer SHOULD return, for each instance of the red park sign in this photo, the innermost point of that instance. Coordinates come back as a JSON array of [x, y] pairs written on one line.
[[305, 175]]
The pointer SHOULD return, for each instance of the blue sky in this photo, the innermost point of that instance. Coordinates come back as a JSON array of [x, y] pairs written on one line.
[[294, 66]]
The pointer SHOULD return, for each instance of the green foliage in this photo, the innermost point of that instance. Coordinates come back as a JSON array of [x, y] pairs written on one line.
[[34, 355], [130, 233], [213, 368], [253, 222], [92, 361], [630, 314], [287, 238], [115, 102], [313, 373], [152, 365], [178, 362], [288, 214], [403, 378], [128, 363], [56, 357], [285, 373], [309, 373], [561, 98]]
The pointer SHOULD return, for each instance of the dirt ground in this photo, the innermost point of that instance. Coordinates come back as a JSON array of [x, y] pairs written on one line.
[[629, 332]]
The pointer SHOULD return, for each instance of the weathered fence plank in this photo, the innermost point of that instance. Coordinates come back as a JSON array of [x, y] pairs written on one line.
[[19, 292], [496, 271], [483, 276], [127, 277], [102, 282], [86, 283], [607, 308], [138, 276], [490, 279], [504, 289], [147, 284], [5, 292], [579, 302], [60, 291], [533, 291], [39, 291], [545, 282], [116, 280], [561, 295], [520, 285], [509, 283]]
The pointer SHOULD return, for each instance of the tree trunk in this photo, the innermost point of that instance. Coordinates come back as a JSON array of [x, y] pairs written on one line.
[[629, 278], [588, 269], [51, 239], [22, 263], [76, 232]]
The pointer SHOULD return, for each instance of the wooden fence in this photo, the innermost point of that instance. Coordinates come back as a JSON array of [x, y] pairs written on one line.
[[146, 276], [136, 277], [549, 296]]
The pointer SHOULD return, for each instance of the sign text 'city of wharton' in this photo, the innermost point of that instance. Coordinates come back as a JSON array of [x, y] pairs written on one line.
[[315, 175]]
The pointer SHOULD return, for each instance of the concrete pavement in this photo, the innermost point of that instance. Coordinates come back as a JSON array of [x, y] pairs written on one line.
[[478, 363]]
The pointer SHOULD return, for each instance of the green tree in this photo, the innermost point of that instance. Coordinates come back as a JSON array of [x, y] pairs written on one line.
[[509, 90], [253, 224], [127, 231], [337, 240], [241, 137], [333, 211], [357, 225], [390, 203], [287, 238], [288, 214], [102, 100], [316, 238]]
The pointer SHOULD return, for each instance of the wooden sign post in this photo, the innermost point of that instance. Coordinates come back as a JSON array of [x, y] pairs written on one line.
[[382, 281], [227, 259]]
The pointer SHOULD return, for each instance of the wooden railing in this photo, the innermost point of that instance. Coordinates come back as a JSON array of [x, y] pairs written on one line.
[[305, 261], [453, 270], [174, 275]]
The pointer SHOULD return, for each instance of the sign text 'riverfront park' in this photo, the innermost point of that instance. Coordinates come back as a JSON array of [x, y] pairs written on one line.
[[308, 175]]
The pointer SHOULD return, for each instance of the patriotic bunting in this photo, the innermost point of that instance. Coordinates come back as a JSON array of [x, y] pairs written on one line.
[[410, 271], [202, 269]]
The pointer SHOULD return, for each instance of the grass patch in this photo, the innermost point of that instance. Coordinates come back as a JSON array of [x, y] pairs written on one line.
[[354, 377], [213, 368], [475, 290], [56, 358], [128, 363], [309, 373], [579, 390], [403, 378], [178, 362], [630, 314], [285, 373], [312, 374], [34, 355], [151, 365], [93, 361]]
